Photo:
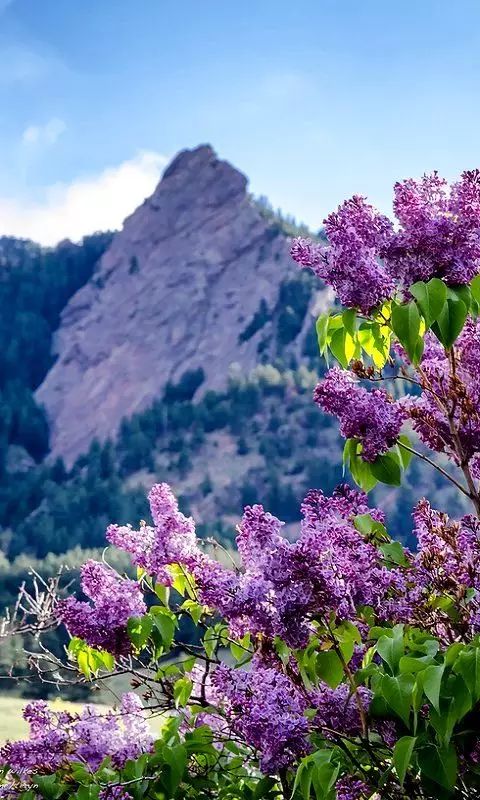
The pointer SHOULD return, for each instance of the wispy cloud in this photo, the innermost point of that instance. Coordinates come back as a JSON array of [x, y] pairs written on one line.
[[99, 202], [44, 135]]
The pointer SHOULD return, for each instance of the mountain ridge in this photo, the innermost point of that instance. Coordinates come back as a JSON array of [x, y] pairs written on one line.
[[173, 293]]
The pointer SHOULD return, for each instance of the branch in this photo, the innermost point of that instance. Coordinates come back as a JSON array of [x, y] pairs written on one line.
[[437, 467]]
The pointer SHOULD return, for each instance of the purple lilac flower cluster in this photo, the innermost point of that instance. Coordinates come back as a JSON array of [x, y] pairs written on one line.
[[103, 624], [357, 234], [337, 709], [265, 708], [59, 738], [349, 788], [114, 793], [281, 588], [373, 418], [171, 540], [447, 564], [439, 230], [438, 235], [446, 415], [283, 584]]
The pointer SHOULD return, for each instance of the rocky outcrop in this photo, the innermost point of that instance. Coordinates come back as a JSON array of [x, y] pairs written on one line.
[[174, 292]]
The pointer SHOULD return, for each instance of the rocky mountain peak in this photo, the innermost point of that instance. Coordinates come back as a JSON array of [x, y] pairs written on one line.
[[173, 292]]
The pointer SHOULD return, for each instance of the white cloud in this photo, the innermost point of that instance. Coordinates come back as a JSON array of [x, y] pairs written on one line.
[[99, 202], [44, 135]]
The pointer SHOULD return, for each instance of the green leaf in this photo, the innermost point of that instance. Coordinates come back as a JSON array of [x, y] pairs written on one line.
[[264, 789], [321, 327], [49, 787], [432, 679], [90, 661], [415, 664], [371, 528], [194, 609], [215, 637], [349, 451], [397, 691], [349, 318], [87, 792], [182, 690], [431, 297], [452, 653], [394, 553], [406, 325], [318, 770], [323, 780], [391, 648], [362, 474], [346, 631], [405, 455], [303, 781], [364, 523], [344, 347], [163, 593], [450, 321], [75, 644], [176, 758], [179, 579], [359, 469], [166, 623], [242, 649], [462, 292], [444, 722], [475, 288], [439, 764], [402, 755], [467, 664], [374, 339], [329, 668], [387, 469], [139, 630]]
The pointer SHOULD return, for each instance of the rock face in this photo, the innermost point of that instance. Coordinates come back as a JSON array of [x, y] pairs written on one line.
[[174, 291]]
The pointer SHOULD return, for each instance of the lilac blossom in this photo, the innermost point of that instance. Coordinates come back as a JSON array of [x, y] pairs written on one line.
[[437, 235], [448, 559], [58, 738], [265, 708], [350, 788], [283, 584], [122, 735], [103, 622], [46, 749], [446, 415], [172, 540], [338, 709], [114, 793], [372, 417], [351, 264], [447, 564]]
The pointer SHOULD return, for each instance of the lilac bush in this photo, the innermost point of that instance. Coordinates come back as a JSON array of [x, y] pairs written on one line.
[[337, 664]]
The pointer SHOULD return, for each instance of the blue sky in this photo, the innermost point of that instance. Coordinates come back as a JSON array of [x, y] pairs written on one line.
[[314, 100]]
